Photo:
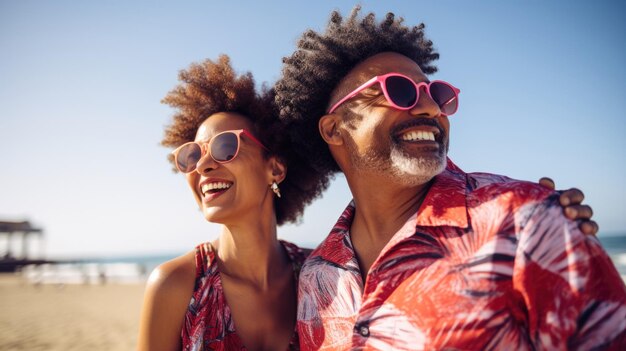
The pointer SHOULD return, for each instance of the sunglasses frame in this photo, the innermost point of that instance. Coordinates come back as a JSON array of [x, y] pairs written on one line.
[[382, 80], [205, 147]]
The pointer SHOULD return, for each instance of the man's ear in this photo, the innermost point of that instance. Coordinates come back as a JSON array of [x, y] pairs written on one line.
[[277, 169], [329, 129]]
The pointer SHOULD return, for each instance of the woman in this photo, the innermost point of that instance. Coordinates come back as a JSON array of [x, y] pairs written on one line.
[[239, 291]]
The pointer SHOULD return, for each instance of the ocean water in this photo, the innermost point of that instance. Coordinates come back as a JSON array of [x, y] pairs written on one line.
[[92, 271], [615, 246]]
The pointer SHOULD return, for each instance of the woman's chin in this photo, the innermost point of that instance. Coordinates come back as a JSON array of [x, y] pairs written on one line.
[[215, 215]]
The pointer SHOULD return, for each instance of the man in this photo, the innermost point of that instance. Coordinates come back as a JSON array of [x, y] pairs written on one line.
[[427, 256]]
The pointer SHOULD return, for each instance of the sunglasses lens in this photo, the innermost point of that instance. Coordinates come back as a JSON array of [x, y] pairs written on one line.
[[401, 91], [224, 147], [445, 97], [187, 157]]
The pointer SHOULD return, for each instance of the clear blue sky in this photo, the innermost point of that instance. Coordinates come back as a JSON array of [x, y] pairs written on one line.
[[543, 93]]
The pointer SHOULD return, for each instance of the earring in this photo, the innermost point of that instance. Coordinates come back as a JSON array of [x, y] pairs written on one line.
[[275, 189]]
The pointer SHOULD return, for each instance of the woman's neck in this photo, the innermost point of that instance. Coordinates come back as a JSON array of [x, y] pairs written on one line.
[[251, 253]]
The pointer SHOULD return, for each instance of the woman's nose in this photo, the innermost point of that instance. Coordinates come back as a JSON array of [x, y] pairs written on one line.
[[206, 163]]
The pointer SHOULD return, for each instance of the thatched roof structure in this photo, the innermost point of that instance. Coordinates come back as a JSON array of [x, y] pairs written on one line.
[[18, 227]]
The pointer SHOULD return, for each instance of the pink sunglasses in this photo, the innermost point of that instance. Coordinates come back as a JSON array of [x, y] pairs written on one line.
[[223, 148], [402, 93]]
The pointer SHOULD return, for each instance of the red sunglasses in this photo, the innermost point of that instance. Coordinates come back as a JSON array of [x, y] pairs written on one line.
[[223, 148], [403, 93]]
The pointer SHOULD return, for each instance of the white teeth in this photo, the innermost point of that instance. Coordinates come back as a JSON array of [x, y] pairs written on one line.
[[213, 186], [418, 135]]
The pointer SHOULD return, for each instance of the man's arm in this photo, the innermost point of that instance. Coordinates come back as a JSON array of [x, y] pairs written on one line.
[[574, 296]]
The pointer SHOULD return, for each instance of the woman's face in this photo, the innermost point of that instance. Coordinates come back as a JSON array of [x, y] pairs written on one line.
[[226, 192]]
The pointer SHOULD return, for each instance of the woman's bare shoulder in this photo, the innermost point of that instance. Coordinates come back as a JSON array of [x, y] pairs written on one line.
[[177, 274], [168, 292]]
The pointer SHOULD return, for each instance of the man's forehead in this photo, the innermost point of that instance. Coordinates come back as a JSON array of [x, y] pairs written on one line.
[[384, 63]]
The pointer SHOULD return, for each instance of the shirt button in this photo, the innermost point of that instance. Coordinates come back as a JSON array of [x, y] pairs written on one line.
[[364, 331]]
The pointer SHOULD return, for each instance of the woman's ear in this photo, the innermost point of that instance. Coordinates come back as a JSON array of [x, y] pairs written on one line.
[[329, 129], [277, 170]]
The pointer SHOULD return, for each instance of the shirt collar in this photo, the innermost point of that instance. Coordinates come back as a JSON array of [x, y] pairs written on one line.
[[445, 203], [337, 247]]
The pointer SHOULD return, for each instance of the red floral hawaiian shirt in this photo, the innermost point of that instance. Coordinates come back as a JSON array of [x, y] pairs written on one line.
[[486, 263]]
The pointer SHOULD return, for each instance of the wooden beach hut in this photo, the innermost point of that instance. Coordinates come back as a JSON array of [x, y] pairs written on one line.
[[11, 261]]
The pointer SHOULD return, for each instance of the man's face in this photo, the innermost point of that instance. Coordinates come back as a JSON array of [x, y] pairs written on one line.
[[386, 141]]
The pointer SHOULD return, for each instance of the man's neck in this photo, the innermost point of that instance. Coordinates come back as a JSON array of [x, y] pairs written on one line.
[[381, 209]]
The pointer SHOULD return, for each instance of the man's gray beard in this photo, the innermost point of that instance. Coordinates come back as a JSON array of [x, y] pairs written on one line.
[[399, 166], [411, 170]]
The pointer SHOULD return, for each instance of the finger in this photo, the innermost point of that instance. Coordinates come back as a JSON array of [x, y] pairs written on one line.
[[576, 212], [589, 227], [571, 196], [547, 182]]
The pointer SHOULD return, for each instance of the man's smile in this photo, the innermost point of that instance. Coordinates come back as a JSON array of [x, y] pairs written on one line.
[[419, 133]]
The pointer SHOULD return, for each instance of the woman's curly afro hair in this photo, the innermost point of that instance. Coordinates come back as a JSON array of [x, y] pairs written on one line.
[[210, 87], [321, 60]]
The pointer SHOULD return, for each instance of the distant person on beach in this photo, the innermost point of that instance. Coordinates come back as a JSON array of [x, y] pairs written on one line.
[[426, 256], [241, 288]]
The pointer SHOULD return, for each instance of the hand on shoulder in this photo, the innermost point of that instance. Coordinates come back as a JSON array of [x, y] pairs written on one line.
[[571, 201]]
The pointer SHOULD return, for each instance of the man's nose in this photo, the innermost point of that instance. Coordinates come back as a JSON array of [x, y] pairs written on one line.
[[426, 106]]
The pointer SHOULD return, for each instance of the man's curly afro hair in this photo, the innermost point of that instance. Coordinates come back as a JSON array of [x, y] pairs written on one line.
[[210, 87], [322, 60]]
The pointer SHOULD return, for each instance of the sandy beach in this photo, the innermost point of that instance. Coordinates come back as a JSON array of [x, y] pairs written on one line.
[[68, 317]]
